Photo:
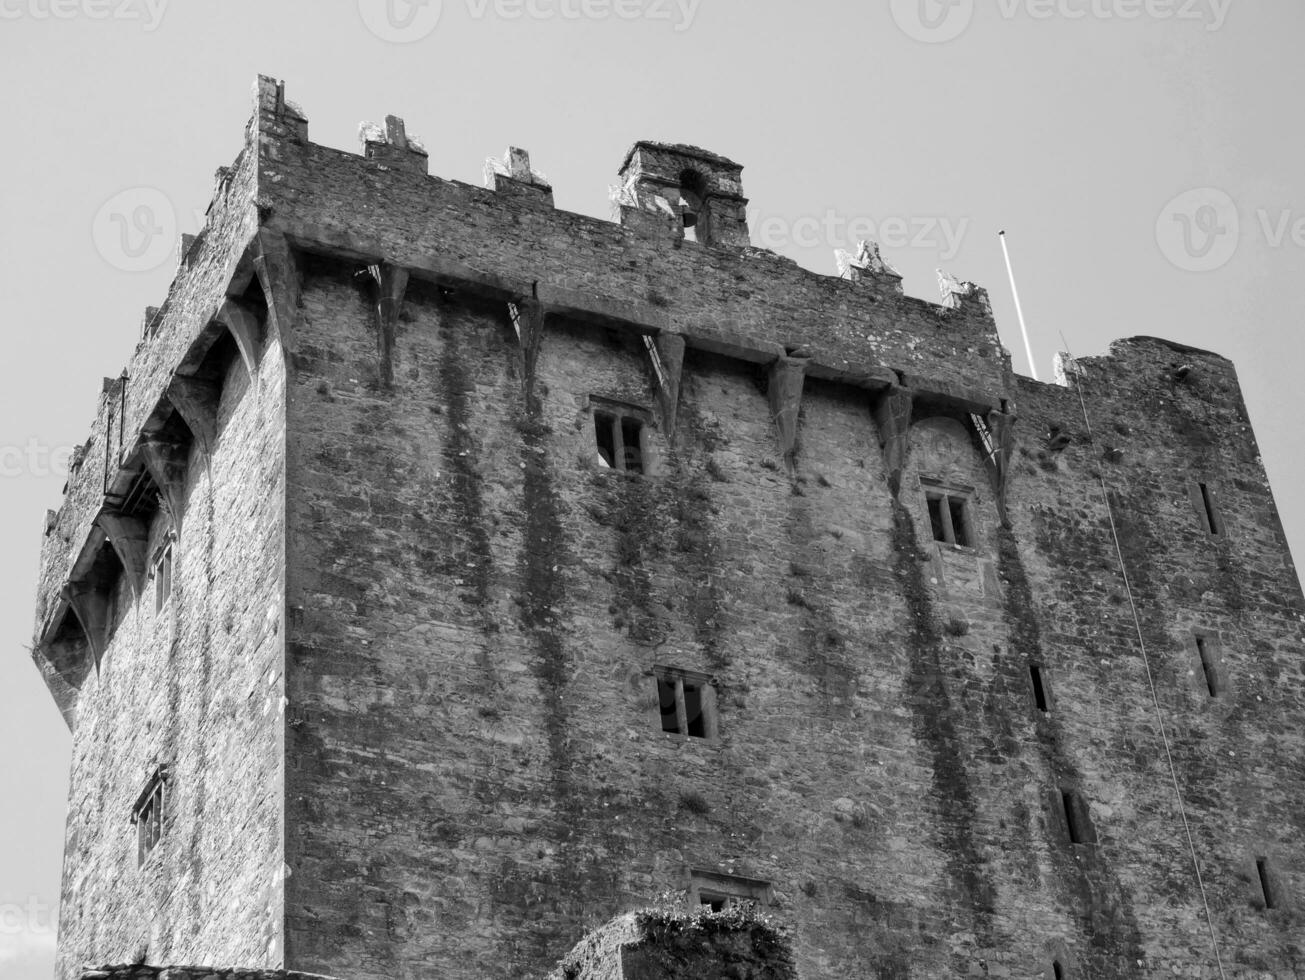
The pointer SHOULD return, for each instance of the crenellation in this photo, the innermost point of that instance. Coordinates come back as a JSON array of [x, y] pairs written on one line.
[[393, 529]]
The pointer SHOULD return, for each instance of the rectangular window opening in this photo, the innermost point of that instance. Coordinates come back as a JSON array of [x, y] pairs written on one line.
[[1076, 818], [1211, 515], [1039, 688], [936, 519], [960, 524], [693, 712], [149, 813], [605, 432], [619, 439], [687, 702], [719, 892], [1266, 885], [949, 517], [163, 579], [666, 696], [632, 443], [1208, 667], [1058, 970]]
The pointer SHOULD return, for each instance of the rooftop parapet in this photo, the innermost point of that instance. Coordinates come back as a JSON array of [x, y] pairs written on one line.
[[701, 192], [392, 147]]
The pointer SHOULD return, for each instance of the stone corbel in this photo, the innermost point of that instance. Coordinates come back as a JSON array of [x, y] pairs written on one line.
[[787, 380], [530, 316], [62, 678], [166, 462], [130, 540], [245, 329], [196, 401], [893, 419], [90, 604], [391, 285], [670, 352], [1002, 428], [278, 274]]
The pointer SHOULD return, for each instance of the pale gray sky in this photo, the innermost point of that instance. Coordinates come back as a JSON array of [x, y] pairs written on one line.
[[1081, 126]]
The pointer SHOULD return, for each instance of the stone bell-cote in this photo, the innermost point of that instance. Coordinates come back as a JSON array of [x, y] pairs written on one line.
[[703, 191]]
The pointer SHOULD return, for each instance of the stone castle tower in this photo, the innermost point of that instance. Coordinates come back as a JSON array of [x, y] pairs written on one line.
[[448, 575]]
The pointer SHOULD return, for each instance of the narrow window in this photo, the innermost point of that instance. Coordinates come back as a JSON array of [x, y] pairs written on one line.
[[936, 519], [1076, 818], [1039, 688], [670, 711], [605, 432], [149, 814], [1208, 667], [1058, 970], [1266, 885], [686, 701], [631, 440], [620, 441], [163, 579], [1211, 517], [960, 523]]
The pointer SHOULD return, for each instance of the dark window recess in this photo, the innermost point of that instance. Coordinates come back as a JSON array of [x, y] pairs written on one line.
[[686, 702], [1076, 818], [1039, 688], [620, 441], [1210, 522], [1208, 667], [163, 579], [949, 518], [1058, 970], [1266, 883], [719, 892], [149, 813]]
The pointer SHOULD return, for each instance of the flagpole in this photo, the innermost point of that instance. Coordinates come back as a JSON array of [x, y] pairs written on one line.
[[1019, 310]]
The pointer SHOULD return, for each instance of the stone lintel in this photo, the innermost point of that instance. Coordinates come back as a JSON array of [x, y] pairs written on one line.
[[130, 540], [196, 401], [893, 418], [952, 395], [787, 379], [619, 313], [391, 284], [735, 346], [872, 377], [166, 462], [245, 330]]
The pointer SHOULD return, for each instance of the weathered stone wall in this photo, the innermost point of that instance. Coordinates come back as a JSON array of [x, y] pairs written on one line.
[[190, 973], [197, 686]]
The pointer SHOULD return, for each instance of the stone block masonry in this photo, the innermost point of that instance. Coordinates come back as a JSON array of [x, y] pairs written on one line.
[[526, 566]]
